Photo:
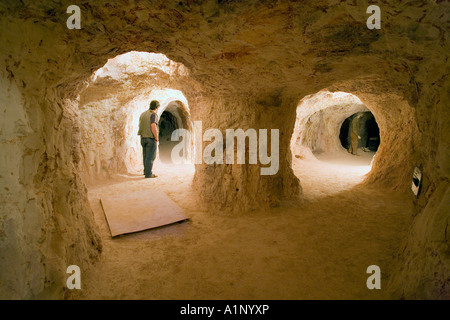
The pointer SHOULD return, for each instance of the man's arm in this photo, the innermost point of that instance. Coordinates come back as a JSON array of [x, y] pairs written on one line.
[[154, 131], [139, 128]]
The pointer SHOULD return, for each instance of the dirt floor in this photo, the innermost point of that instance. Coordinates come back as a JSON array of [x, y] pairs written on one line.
[[320, 250]]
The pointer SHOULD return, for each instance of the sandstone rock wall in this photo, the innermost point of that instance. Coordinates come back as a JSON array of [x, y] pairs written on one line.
[[224, 185], [46, 220], [422, 269]]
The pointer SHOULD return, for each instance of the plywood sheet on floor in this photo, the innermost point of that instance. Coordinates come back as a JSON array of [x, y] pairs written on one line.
[[138, 211]]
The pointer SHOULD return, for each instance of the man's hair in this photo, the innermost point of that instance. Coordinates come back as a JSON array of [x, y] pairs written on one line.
[[154, 104]]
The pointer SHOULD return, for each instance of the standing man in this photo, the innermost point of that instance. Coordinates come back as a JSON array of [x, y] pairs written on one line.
[[354, 134], [148, 130]]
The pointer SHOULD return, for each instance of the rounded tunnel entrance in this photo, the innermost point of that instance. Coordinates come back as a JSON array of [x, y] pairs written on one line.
[[321, 141], [109, 120], [334, 142]]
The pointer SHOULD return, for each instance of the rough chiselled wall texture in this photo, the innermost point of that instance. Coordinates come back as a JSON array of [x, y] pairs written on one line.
[[46, 220]]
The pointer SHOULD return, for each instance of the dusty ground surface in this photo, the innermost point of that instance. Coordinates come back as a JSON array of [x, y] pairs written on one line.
[[318, 250]]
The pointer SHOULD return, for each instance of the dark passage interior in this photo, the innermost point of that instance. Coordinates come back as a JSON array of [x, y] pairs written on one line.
[[174, 116], [365, 127], [167, 124]]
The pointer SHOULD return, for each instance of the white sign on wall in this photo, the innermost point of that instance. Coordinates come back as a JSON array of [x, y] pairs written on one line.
[[417, 181]]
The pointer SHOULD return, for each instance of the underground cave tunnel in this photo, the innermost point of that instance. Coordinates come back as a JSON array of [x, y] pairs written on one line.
[[322, 140], [68, 138], [110, 109]]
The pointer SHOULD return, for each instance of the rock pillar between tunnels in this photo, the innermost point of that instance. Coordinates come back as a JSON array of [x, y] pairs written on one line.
[[241, 187]]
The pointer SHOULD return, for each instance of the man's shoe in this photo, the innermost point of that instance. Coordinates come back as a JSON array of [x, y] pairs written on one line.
[[152, 176]]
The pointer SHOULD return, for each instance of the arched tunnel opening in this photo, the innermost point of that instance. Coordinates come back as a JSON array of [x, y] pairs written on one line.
[[110, 120], [334, 143], [294, 79]]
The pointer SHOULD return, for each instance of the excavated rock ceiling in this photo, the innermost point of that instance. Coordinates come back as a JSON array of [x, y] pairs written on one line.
[[263, 49], [132, 74]]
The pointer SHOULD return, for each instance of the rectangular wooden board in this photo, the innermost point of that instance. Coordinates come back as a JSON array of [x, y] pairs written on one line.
[[138, 211]]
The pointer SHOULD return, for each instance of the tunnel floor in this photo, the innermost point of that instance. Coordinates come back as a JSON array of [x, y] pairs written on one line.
[[320, 250], [331, 173]]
